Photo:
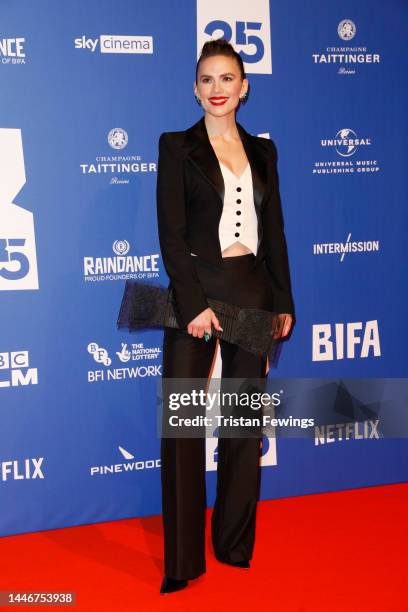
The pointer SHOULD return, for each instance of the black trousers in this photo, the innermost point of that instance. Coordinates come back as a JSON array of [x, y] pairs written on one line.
[[244, 282]]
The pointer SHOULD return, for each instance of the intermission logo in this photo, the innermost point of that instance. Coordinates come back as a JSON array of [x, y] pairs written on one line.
[[129, 465], [26, 469], [118, 168], [345, 145], [109, 43], [18, 259], [141, 360], [121, 266], [15, 370], [343, 432], [343, 248], [357, 340], [246, 25], [345, 56], [12, 51]]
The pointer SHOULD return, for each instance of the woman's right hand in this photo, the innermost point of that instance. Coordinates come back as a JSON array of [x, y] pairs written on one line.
[[202, 323]]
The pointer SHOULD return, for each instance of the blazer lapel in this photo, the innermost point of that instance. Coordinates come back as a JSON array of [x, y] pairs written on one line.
[[202, 154]]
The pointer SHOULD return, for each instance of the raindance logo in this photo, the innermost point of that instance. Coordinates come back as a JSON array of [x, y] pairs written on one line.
[[346, 144], [131, 465], [118, 168], [122, 266], [143, 357], [12, 51], [345, 57], [349, 246]]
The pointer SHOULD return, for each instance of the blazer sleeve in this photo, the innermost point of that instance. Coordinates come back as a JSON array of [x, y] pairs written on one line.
[[189, 297], [276, 254]]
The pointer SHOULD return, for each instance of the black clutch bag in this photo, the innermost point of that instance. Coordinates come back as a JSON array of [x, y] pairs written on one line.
[[145, 305]]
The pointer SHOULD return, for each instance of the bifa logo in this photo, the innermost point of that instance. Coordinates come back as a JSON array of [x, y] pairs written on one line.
[[350, 340], [28, 469], [244, 24], [12, 50], [109, 43], [130, 465], [15, 370], [18, 260]]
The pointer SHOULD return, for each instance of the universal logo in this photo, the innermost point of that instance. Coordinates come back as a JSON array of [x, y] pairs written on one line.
[[12, 51], [346, 144], [15, 370], [128, 353], [131, 465], [118, 168], [346, 58], [122, 266], [349, 246], [109, 43]]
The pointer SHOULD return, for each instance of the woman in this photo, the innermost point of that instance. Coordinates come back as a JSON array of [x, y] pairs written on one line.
[[221, 236]]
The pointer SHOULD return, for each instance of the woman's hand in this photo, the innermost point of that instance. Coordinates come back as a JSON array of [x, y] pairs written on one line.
[[202, 323], [282, 325]]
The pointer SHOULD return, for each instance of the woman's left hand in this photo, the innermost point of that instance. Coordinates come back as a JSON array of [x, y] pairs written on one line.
[[282, 325]]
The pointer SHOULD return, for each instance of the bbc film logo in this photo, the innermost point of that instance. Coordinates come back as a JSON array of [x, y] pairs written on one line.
[[15, 370]]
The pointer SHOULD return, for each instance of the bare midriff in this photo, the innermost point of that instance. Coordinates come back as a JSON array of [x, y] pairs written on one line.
[[235, 250]]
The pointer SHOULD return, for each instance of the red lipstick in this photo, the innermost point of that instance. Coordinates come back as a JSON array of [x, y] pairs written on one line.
[[218, 100]]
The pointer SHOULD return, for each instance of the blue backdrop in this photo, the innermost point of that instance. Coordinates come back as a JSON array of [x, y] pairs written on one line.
[[86, 89]]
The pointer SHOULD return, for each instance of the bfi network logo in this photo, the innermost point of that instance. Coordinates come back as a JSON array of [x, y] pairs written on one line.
[[330, 342], [28, 469], [15, 370]]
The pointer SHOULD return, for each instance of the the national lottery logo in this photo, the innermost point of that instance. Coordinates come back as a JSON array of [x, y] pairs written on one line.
[[346, 58], [118, 138], [15, 370], [131, 464], [347, 144], [12, 51], [346, 29], [18, 259], [120, 266], [141, 358], [246, 25]]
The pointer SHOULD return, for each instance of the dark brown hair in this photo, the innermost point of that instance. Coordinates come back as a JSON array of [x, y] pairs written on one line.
[[220, 47]]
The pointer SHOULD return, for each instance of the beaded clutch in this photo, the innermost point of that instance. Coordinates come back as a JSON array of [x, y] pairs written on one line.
[[145, 305]]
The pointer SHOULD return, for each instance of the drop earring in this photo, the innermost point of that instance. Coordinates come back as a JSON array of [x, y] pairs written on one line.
[[198, 100]]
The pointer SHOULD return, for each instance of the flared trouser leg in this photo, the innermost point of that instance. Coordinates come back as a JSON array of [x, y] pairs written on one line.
[[238, 472], [183, 468], [183, 461]]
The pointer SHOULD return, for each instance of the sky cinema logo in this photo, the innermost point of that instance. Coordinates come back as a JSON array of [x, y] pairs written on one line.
[[110, 43]]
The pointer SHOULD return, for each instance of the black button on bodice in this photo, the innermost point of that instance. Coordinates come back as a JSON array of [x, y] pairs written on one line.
[[238, 188], [238, 201], [237, 224], [236, 234], [238, 212]]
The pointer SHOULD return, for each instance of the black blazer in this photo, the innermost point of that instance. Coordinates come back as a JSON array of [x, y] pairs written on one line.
[[190, 195]]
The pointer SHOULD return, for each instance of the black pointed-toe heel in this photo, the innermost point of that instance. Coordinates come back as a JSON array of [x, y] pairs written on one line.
[[169, 585], [244, 564]]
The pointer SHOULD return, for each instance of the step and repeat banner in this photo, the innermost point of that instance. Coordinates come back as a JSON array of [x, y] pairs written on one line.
[[87, 87]]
